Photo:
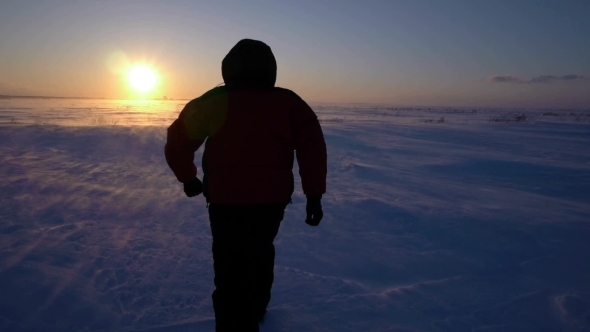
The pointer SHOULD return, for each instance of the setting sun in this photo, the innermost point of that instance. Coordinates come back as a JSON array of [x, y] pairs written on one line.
[[142, 78]]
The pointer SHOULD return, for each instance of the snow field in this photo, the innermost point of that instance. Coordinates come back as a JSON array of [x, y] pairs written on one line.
[[466, 224]]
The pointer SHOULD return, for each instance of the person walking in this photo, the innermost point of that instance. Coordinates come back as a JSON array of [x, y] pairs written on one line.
[[251, 130]]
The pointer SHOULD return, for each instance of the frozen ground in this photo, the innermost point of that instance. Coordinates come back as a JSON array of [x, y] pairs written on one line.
[[435, 220]]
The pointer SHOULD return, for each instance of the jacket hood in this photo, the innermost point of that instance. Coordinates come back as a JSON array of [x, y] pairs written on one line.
[[250, 62]]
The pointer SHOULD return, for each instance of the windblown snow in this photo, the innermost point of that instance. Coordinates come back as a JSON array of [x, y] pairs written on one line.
[[436, 219]]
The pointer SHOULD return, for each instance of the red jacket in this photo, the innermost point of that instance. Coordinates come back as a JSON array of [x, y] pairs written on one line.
[[251, 133]]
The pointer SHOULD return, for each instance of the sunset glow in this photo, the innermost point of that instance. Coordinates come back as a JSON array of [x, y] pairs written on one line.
[[142, 78], [456, 53]]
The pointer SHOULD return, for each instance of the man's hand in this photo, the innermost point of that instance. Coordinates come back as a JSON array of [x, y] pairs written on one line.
[[193, 188], [314, 211]]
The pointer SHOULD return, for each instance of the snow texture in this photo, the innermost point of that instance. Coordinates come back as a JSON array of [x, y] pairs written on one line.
[[435, 220]]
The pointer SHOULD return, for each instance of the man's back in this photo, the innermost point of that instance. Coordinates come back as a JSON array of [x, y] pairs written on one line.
[[251, 133]]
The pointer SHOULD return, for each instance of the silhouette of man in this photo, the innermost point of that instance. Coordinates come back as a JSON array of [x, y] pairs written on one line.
[[250, 129]]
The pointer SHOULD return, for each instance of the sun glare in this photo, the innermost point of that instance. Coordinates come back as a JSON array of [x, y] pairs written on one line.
[[142, 78]]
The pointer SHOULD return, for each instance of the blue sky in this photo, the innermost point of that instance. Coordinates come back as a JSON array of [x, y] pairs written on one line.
[[414, 52]]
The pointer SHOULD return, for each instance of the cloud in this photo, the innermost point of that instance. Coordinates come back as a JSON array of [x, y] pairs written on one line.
[[504, 79], [543, 79], [18, 89], [11, 88], [574, 77]]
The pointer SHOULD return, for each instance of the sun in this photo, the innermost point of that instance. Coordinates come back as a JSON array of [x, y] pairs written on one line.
[[142, 78]]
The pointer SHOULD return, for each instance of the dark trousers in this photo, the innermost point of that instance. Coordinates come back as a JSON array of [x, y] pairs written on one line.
[[243, 260]]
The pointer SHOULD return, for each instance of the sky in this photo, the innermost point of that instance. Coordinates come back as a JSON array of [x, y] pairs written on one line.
[[511, 53]]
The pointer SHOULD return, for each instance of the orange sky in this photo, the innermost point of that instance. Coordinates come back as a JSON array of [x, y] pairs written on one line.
[[451, 53]]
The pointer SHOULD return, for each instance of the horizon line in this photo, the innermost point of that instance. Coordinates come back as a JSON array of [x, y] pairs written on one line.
[[312, 102], [65, 97]]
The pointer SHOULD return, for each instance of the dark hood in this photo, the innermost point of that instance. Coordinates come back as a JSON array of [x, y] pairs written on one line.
[[250, 62]]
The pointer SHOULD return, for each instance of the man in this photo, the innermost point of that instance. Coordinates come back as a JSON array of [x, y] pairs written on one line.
[[250, 129]]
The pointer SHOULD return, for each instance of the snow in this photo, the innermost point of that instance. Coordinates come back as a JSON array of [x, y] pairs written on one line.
[[436, 219]]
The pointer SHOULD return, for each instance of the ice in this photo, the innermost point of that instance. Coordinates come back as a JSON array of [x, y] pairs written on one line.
[[436, 219]]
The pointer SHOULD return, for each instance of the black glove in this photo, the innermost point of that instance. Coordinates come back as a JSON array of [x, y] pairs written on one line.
[[193, 188], [314, 211]]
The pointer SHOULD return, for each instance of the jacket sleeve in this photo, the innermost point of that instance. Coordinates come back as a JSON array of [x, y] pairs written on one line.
[[181, 146], [310, 150]]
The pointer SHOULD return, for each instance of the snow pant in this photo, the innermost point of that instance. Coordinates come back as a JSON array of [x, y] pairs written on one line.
[[243, 261]]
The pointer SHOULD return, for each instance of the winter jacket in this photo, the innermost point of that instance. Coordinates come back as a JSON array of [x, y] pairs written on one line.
[[250, 129]]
